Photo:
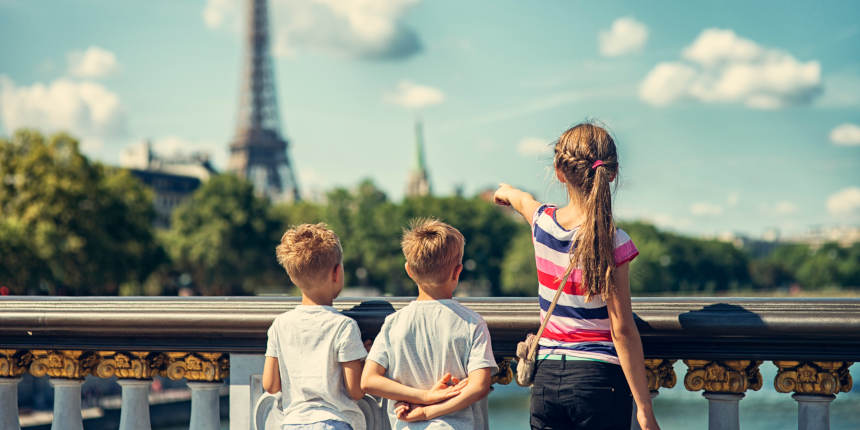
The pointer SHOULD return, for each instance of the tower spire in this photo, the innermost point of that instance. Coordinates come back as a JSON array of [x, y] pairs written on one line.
[[419, 179], [258, 151]]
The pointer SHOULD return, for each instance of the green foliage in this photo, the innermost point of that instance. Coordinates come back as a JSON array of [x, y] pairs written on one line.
[[224, 236], [70, 226], [519, 274]]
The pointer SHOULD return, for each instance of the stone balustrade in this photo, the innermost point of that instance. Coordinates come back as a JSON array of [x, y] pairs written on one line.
[[722, 342]]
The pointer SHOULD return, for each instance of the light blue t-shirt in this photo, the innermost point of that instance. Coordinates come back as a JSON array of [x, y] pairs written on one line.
[[418, 344], [310, 342]]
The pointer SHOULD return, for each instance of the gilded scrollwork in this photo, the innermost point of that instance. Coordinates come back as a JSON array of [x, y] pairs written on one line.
[[129, 365], [723, 376], [197, 366], [67, 364], [660, 373], [505, 374], [813, 377], [14, 363]]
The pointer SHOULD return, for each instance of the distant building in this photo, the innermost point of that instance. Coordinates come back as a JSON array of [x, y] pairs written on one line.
[[419, 179], [172, 179]]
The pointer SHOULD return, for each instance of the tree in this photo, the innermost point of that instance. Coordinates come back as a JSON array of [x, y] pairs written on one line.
[[75, 227], [225, 237], [519, 273]]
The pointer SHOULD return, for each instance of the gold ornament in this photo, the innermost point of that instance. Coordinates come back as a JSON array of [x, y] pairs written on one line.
[[723, 376], [14, 363], [813, 377], [660, 373], [197, 366], [63, 364], [129, 365], [505, 374]]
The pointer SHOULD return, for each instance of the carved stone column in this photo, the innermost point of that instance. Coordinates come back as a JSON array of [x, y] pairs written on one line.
[[205, 373], [135, 371], [13, 364], [660, 373], [66, 370], [815, 384], [724, 383]]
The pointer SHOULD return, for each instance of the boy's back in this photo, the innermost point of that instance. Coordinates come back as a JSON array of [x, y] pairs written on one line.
[[428, 338], [310, 342]]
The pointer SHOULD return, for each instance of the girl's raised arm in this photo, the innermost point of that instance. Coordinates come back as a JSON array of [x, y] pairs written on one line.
[[521, 201]]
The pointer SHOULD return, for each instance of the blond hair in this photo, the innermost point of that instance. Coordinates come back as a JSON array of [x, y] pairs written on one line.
[[308, 251], [586, 156], [432, 248]]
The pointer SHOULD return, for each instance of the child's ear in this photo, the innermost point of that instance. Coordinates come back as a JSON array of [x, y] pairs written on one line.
[[455, 274], [408, 271], [560, 176], [335, 273]]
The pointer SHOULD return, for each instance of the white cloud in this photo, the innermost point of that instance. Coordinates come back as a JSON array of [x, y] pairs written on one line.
[[85, 109], [721, 67], [370, 29], [95, 62], [784, 208], [846, 134], [733, 198], [705, 209], [845, 202], [415, 96], [625, 36], [533, 146]]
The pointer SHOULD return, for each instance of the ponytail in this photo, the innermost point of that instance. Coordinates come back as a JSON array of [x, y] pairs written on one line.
[[586, 156]]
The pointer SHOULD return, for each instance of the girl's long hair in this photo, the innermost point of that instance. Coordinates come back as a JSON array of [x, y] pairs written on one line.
[[593, 251]]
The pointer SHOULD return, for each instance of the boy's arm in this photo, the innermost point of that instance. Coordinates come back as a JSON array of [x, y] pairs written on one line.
[[374, 381], [271, 376], [477, 388], [521, 201], [352, 378]]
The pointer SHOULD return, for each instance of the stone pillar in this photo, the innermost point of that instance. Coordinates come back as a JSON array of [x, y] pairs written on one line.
[[134, 414], [67, 404], [9, 403], [205, 405], [660, 373], [815, 384], [724, 383]]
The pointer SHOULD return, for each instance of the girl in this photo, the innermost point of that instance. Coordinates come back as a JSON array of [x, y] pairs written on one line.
[[591, 343]]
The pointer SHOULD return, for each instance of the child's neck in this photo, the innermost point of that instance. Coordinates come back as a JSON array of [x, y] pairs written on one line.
[[316, 299], [437, 293]]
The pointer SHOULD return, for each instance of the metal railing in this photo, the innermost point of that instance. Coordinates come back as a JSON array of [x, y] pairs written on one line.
[[812, 342]]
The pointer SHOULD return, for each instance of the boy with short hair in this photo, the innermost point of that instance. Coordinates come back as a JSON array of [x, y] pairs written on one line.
[[434, 336], [315, 350]]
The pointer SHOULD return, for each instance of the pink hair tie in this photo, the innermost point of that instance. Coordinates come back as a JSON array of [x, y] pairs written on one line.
[[596, 164]]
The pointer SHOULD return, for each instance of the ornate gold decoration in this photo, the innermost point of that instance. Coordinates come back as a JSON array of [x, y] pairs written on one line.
[[129, 365], [197, 366], [813, 377], [505, 374], [13, 362], [723, 376], [660, 373], [63, 364]]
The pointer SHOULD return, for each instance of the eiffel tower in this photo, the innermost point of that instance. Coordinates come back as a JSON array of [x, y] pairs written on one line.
[[258, 151]]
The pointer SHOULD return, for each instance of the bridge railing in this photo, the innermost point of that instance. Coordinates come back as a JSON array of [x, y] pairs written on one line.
[[203, 340]]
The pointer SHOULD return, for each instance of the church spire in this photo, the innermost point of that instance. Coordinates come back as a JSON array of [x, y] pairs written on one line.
[[419, 179]]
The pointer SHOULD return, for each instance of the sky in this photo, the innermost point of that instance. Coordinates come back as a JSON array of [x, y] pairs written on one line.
[[729, 116]]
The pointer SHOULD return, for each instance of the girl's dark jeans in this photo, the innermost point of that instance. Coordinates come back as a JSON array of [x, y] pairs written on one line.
[[579, 394]]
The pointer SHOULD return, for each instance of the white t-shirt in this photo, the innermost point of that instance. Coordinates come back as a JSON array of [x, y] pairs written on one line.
[[418, 344], [310, 342]]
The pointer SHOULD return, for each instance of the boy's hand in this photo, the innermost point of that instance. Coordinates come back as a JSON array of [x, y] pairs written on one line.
[[409, 413], [443, 390], [501, 197]]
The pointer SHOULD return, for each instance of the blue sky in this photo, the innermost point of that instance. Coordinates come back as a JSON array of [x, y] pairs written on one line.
[[729, 116]]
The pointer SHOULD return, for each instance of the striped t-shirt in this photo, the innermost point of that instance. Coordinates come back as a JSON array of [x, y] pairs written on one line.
[[576, 328]]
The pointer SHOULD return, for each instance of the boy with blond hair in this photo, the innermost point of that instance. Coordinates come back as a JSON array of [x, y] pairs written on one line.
[[431, 338], [314, 350]]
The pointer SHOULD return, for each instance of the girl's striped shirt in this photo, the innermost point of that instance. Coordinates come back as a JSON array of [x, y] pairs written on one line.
[[576, 328]]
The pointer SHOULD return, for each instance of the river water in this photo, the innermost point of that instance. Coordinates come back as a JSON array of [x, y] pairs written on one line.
[[679, 409]]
